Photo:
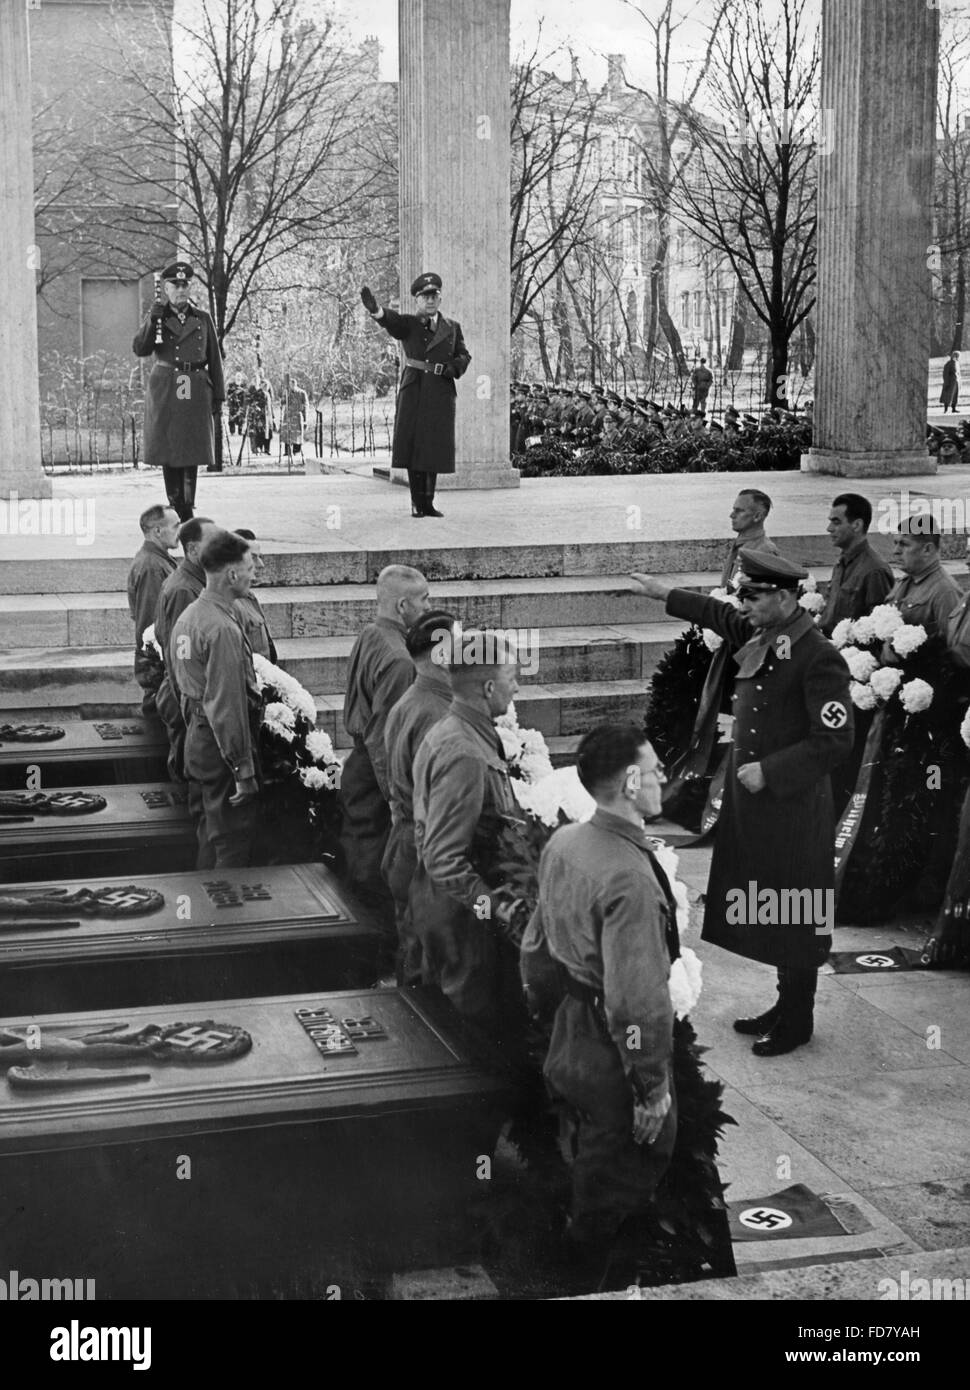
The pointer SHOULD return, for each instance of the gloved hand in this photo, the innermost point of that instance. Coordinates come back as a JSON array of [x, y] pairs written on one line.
[[157, 311], [368, 300]]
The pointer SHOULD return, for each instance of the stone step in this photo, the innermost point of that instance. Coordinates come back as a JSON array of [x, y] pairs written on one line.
[[102, 619], [83, 574], [341, 610], [85, 675]]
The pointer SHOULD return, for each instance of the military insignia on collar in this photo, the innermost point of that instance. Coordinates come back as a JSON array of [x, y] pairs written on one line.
[[834, 715], [30, 733]]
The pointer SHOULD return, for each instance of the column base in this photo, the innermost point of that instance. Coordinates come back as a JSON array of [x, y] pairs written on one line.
[[24, 483], [859, 463], [468, 477]]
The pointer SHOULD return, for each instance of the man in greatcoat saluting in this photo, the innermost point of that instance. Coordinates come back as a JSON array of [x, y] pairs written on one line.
[[434, 357], [771, 891], [185, 388]]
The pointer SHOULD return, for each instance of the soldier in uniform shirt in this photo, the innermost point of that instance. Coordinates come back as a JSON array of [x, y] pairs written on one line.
[[861, 579], [212, 665], [926, 595], [598, 950], [461, 785], [149, 570], [181, 588], [748, 515], [379, 672], [249, 608], [421, 705]]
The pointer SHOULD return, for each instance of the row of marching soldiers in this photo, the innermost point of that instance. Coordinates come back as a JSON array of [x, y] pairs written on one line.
[[424, 790], [585, 418]]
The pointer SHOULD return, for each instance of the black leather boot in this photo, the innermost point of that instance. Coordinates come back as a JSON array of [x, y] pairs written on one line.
[[758, 1027], [784, 1037]]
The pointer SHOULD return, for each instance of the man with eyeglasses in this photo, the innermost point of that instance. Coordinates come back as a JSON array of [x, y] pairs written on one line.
[[771, 893], [424, 420], [598, 950]]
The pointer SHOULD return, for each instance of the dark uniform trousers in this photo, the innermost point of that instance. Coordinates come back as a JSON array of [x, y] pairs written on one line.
[[398, 866], [613, 1177], [170, 712], [225, 832], [180, 489], [422, 486], [364, 834]]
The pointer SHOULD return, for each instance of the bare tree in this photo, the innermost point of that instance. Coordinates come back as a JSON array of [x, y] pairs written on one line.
[[752, 194], [952, 211], [670, 138], [265, 117], [556, 182]]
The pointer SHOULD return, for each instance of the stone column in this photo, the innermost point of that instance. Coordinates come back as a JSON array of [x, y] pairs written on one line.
[[455, 159], [875, 203], [20, 456]]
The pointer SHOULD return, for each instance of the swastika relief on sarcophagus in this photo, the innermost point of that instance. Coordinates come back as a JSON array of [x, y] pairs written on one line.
[[331, 1035], [110, 732], [66, 803], [38, 1056], [30, 733], [130, 900], [222, 893]]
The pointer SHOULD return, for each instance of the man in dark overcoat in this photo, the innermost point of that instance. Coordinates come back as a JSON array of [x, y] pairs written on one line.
[[424, 420], [771, 891], [185, 388]]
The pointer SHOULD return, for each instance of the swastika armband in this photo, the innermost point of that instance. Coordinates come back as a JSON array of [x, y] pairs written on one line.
[[834, 714]]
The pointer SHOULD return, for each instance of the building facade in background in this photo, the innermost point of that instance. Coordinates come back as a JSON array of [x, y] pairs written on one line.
[[99, 244]]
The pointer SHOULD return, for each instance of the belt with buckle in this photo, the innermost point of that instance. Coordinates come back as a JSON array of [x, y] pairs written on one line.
[[184, 366], [421, 366]]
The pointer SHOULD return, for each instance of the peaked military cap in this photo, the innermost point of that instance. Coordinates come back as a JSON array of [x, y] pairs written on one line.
[[427, 281], [179, 271], [766, 574]]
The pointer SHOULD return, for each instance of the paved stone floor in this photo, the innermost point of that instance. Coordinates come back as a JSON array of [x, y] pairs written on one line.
[[874, 1110], [291, 512]]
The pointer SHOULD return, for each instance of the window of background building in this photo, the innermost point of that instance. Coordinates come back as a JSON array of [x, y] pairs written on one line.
[[697, 308], [109, 316], [685, 309]]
